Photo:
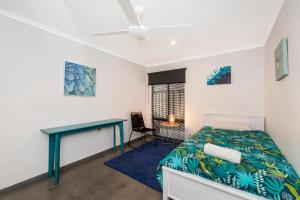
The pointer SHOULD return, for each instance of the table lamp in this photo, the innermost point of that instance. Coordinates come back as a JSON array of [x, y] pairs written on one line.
[[172, 119]]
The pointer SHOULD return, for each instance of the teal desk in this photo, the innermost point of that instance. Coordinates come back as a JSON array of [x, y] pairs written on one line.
[[56, 133]]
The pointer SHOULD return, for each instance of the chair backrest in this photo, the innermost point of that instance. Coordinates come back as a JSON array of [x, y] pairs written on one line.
[[137, 121]]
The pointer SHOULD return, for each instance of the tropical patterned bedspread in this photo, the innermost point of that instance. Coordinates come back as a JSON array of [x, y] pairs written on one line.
[[263, 171]]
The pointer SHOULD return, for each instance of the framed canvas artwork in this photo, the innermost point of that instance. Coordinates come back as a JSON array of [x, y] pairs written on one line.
[[281, 60], [80, 80], [221, 75]]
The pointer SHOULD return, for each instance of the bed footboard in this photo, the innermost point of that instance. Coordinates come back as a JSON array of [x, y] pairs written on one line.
[[179, 185]]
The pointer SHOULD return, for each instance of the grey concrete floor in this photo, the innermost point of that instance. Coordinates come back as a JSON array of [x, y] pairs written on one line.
[[88, 180]]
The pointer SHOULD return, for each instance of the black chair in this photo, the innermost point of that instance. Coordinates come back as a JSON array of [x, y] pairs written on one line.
[[138, 125]]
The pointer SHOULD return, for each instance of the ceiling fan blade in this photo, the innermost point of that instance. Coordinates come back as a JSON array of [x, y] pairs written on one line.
[[129, 12], [110, 33], [178, 27]]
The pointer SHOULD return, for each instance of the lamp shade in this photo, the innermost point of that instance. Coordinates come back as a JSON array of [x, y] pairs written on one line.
[[172, 118]]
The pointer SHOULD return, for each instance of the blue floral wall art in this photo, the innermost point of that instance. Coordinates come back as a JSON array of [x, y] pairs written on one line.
[[80, 80], [220, 75]]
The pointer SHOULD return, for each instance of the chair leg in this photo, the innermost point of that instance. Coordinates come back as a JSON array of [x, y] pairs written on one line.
[[143, 139], [130, 138], [150, 142], [156, 138], [129, 144]]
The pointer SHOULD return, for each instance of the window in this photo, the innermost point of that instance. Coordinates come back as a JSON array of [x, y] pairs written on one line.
[[168, 99]]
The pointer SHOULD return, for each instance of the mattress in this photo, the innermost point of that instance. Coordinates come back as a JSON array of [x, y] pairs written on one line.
[[263, 171]]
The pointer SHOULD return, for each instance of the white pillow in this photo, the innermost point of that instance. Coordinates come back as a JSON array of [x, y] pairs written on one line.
[[229, 125]]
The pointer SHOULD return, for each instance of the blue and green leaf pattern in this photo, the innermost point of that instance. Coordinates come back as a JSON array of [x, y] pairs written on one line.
[[264, 171]]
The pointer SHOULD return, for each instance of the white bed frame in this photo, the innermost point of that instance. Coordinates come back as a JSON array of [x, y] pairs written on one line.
[[178, 185]]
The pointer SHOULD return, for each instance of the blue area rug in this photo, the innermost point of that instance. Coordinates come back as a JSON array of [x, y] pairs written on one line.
[[141, 165]]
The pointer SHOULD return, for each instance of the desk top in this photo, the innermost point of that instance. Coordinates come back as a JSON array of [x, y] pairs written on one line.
[[82, 126]]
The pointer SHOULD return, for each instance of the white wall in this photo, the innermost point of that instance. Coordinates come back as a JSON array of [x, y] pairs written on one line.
[[31, 85], [283, 97], [245, 96]]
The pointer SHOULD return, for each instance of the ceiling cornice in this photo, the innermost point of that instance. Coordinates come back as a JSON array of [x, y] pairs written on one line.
[[204, 56], [57, 32]]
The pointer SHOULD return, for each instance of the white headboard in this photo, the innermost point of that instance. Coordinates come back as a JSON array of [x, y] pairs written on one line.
[[256, 122]]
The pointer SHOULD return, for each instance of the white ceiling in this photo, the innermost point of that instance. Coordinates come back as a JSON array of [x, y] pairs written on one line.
[[218, 26]]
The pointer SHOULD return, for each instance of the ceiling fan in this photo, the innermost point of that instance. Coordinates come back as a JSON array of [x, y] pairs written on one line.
[[136, 28]]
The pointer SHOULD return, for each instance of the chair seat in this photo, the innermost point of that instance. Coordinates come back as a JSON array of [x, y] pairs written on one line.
[[143, 130]]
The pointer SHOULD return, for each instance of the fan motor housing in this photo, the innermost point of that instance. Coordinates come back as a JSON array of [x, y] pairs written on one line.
[[138, 31]]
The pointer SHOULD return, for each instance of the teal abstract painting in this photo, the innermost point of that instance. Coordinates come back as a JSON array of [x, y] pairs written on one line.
[[220, 75], [80, 80]]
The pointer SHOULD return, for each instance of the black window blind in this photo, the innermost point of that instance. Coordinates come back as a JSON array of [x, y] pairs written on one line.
[[168, 99], [167, 77]]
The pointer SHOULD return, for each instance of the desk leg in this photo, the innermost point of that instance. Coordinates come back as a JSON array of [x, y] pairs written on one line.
[[121, 127], [57, 158], [114, 137], [51, 155]]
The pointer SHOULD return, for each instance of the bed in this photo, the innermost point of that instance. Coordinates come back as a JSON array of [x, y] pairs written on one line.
[[264, 173]]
